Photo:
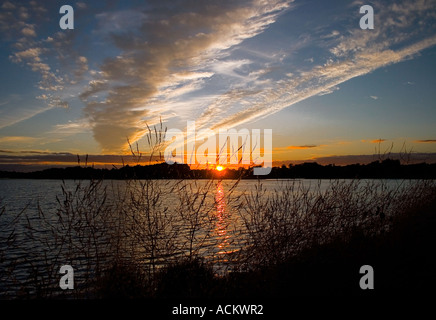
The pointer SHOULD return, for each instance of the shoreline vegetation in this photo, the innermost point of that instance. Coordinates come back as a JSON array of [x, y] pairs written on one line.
[[295, 242], [379, 169]]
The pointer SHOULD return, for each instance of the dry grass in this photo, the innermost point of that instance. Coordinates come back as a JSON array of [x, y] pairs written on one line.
[[117, 235], [298, 216]]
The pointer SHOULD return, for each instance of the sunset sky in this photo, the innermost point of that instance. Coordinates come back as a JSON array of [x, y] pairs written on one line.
[[305, 69]]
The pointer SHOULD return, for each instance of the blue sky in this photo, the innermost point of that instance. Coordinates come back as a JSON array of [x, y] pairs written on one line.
[[302, 68]]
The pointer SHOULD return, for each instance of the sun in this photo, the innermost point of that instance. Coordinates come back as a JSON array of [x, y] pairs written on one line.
[[219, 168]]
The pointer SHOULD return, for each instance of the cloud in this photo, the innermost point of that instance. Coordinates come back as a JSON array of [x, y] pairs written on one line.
[[279, 150], [31, 53], [426, 141], [71, 127], [117, 23], [13, 19], [328, 91], [33, 160], [357, 54], [179, 39], [373, 97], [17, 139], [164, 54], [81, 66], [378, 141], [94, 87], [17, 112], [28, 54], [8, 5], [52, 57], [81, 5], [29, 31], [332, 34], [311, 146], [229, 68]]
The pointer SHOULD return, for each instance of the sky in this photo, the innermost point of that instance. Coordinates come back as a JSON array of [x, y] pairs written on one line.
[[330, 91]]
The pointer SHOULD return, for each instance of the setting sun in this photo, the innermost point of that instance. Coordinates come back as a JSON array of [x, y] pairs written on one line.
[[219, 168]]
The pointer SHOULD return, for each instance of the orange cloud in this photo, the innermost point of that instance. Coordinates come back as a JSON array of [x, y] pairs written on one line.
[[302, 147], [378, 140], [426, 141], [17, 139]]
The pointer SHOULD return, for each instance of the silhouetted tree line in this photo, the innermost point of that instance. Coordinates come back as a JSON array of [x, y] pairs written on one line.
[[386, 169], [155, 171]]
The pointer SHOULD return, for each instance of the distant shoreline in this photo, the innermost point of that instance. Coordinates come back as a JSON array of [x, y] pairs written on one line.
[[386, 169]]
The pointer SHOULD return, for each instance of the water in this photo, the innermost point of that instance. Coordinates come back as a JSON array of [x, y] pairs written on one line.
[[35, 242], [49, 223]]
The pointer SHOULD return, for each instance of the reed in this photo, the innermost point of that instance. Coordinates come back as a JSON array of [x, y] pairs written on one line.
[[297, 216]]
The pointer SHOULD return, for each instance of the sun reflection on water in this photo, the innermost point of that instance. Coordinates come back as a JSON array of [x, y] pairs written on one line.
[[223, 220]]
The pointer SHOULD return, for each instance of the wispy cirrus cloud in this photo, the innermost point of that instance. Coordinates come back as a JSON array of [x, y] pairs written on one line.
[[140, 84], [352, 55], [15, 111], [179, 39], [318, 80], [213, 62]]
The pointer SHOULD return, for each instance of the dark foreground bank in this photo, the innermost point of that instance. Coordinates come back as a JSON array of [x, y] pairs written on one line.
[[402, 260]]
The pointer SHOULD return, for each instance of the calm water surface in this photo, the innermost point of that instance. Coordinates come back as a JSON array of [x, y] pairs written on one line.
[[22, 198]]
